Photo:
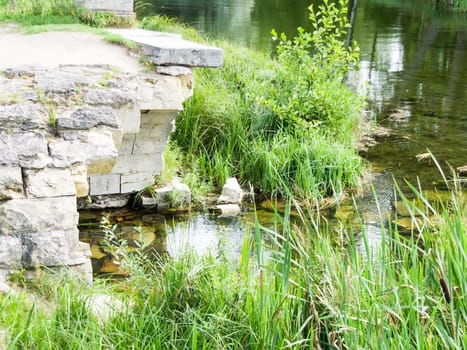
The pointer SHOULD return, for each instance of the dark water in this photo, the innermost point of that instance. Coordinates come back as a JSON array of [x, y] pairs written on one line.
[[413, 68]]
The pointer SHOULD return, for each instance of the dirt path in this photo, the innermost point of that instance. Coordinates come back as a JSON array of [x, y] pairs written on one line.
[[52, 49]]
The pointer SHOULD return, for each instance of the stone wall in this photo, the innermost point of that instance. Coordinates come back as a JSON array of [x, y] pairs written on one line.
[[89, 132], [119, 7]]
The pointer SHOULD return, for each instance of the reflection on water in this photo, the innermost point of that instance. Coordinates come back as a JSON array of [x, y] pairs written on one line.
[[200, 232]]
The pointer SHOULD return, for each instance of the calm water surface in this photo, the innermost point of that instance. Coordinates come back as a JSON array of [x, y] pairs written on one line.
[[413, 68]]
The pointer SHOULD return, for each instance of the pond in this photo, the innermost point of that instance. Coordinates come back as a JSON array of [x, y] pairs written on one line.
[[413, 68]]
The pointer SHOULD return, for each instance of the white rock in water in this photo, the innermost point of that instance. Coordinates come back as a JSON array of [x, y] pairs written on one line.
[[232, 193]]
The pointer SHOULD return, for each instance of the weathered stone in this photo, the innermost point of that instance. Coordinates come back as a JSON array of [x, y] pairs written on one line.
[[85, 118], [65, 139], [65, 153], [174, 70], [135, 182], [114, 98], [146, 145], [55, 83], [53, 248], [174, 195], [129, 118], [226, 210], [139, 163], [165, 92], [23, 117], [103, 307], [100, 150], [168, 50], [19, 216], [107, 201], [10, 252], [116, 6], [26, 149], [11, 183], [127, 145], [48, 182], [232, 193], [104, 184], [79, 175]]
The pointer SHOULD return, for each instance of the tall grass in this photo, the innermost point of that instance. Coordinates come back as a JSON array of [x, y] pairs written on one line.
[[277, 123], [316, 288]]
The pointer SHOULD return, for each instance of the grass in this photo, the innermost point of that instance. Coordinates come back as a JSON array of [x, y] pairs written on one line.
[[240, 122], [46, 12], [317, 288]]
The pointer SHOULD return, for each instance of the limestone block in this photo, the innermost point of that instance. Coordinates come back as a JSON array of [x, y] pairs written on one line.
[[11, 183], [226, 210], [157, 124], [105, 201], [27, 149], [135, 182], [84, 118], [48, 182], [23, 117], [55, 86], [114, 98], [232, 193], [164, 92], [139, 163], [83, 271], [101, 153], [127, 145], [146, 145], [65, 153], [165, 196], [104, 184], [129, 118], [103, 307], [79, 176], [18, 216], [174, 70], [107, 5], [166, 50], [53, 248], [10, 252], [96, 147]]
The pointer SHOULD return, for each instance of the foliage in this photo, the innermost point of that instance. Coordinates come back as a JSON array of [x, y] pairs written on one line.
[[292, 117], [313, 289], [41, 12]]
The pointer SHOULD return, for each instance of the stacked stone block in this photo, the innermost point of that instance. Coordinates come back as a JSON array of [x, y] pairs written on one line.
[[81, 132]]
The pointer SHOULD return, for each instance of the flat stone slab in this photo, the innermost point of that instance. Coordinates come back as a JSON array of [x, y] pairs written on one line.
[[168, 49]]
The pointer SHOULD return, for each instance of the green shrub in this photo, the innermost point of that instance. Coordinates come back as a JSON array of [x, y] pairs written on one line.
[[279, 123]]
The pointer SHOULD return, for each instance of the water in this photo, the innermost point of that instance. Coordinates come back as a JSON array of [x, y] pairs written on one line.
[[413, 67]]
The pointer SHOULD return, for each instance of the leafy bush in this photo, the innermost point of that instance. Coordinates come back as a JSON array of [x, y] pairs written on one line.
[[278, 123]]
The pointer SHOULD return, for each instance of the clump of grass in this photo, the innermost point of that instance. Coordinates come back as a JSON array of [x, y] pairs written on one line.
[[276, 123]]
